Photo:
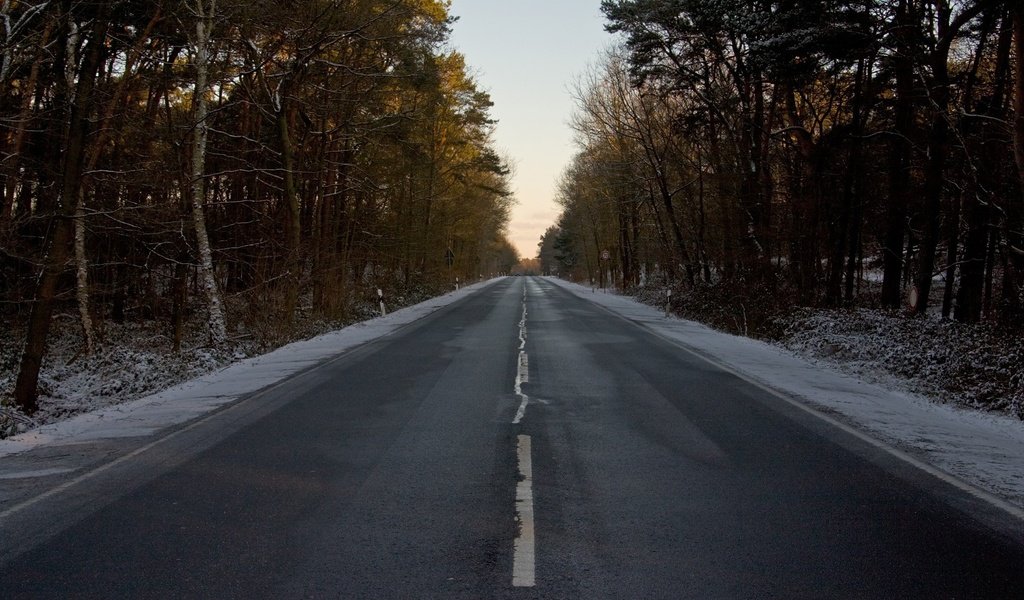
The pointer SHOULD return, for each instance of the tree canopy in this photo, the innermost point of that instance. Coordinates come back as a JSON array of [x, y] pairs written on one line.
[[781, 153]]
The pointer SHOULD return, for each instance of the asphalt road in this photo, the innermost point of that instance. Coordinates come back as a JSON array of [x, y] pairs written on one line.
[[481, 454]]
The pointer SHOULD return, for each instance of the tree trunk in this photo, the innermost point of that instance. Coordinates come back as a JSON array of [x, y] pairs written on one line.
[[81, 264], [839, 230], [855, 257], [26, 388], [935, 171], [677, 230], [215, 306], [972, 271], [952, 251], [1018, 96], [702, 248], [804, 193], [1014, 275], [899, 162], [753, 186], [99, 141], [625, 244], [293, 235], [179, 302], [82, 275], [975, 292], [990, 270], [848, 236], [659, 225]]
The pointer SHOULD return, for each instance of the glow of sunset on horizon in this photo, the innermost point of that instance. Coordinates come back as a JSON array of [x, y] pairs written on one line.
[[527, 54]]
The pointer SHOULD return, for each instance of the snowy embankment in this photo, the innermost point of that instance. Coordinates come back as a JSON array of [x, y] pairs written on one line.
[[984, 449], [186, 401]]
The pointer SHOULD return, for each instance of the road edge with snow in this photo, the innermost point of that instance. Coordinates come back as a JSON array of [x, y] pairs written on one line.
[[192, 399], [982, 450]]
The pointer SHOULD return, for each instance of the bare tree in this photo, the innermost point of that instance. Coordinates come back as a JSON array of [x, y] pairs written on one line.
[[204, 12]]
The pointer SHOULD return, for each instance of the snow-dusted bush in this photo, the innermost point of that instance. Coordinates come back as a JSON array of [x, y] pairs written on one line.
[[971, 365], [977, 366], [738, 306]]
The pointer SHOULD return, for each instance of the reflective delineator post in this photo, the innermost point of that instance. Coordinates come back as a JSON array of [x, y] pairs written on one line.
[[668, 302], [383, 311]]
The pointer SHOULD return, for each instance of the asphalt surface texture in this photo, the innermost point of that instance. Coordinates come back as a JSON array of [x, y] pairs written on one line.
[[396, 470]]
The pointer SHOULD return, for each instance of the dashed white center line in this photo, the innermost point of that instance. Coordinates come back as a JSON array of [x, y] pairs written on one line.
[[523, 368], [524, 554]]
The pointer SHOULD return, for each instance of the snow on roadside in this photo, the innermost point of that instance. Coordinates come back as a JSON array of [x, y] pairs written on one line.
[[975, 366], [984, 449], [203, 394]]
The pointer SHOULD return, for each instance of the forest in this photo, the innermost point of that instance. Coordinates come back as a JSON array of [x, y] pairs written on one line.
[[759, 156], [236, 168]]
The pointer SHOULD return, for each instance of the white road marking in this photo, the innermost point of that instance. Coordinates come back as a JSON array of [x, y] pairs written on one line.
[[86, 476], [523, 368], [101, 469], [37, 473], [524, 554]]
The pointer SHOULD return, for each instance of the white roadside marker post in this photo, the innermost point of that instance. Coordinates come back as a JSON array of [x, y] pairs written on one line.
[[383, 311], [668, 302], [456, 284]]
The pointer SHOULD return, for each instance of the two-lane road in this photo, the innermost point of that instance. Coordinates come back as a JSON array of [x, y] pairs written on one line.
[[521, 443]]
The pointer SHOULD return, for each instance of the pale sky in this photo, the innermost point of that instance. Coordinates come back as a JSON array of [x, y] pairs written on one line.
[[527, 54]]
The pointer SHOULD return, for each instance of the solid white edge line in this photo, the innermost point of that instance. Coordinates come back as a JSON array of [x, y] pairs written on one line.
[[102, 468], [932, 470], [524, 554]]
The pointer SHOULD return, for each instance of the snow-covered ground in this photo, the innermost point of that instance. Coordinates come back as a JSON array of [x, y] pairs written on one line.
[[976, 366], [983, 449], [198, 396]]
